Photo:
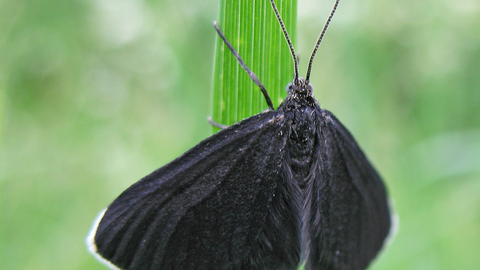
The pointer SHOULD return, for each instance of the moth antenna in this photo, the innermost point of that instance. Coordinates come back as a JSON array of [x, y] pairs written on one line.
[[285, 34], [245, 67], [310, 63]]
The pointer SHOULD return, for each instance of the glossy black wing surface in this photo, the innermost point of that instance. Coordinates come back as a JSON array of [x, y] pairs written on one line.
[[349, 216], [221, 205]]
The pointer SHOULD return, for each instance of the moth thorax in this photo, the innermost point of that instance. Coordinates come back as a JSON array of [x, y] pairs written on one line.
[[301, 143]]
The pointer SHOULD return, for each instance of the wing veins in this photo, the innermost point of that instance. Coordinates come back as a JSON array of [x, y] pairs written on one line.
[[167, 241], [154, 207]]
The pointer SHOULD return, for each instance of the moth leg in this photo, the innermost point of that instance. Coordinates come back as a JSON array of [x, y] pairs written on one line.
[[244, 66], [215, 124]]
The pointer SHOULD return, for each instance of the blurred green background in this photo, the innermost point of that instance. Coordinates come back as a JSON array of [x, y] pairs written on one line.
[[95, 95]]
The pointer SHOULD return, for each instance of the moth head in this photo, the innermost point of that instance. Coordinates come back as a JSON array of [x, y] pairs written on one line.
[[299, 86]]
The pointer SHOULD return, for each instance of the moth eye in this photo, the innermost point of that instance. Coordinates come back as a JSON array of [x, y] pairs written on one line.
[[289, 88]]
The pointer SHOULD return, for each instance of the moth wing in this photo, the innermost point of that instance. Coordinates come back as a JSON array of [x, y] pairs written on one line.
[[349, 214], [221, 205]]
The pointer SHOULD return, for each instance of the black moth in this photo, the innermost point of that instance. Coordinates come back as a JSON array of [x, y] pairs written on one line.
[[277, 190]]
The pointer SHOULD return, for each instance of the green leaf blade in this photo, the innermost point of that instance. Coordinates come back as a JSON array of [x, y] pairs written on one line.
[[253, 30]]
